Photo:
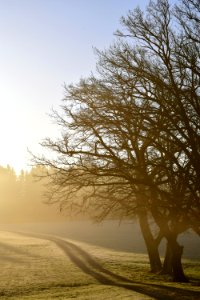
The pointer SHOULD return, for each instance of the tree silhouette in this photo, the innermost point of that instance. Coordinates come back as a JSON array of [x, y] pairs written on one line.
[[130, 134]]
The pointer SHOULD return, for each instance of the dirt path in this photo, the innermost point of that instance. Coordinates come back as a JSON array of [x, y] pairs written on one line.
[[89, 265]]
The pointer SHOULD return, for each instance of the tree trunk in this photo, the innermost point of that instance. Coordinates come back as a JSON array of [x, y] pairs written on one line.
[[172, 263], [178, 273], [154, 257], [167, 265], [175, 254], [151, 244], [175, 248]]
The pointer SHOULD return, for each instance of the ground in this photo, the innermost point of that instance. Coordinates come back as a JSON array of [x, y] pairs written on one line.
[[48, 267]]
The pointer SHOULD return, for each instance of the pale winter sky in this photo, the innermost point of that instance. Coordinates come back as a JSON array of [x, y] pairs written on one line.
[[44, 44]]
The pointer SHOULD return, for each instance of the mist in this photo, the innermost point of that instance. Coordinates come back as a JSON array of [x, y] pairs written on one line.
[[22, 198]]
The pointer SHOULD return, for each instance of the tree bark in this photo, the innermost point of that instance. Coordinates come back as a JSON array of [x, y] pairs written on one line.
[[175, 249], [151, 244], [178, 273], [167, 264], [172, 263]]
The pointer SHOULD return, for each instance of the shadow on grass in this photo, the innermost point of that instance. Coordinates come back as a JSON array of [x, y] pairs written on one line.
[[13, 250], [90, 266]]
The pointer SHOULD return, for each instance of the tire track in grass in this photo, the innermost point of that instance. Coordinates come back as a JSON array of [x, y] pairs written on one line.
[[90, 266]]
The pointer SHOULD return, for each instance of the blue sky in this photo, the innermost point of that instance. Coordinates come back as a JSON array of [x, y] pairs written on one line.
[[45, 43]]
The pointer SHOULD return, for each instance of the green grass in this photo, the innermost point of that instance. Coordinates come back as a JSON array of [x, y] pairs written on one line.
[[41, 268]]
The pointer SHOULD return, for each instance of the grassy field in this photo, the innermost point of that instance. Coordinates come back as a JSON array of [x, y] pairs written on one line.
[[47, 267]]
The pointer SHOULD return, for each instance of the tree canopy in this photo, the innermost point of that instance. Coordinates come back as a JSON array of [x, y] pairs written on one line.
[[130, 134]]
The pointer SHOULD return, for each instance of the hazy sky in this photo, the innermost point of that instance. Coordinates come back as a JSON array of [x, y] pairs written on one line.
[[44, 43]]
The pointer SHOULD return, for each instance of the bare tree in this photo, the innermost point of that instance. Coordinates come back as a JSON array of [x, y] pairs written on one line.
[[130, 136]]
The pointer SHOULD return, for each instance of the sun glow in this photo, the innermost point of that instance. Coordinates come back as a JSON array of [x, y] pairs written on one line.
[[12, 133], [20, 131]]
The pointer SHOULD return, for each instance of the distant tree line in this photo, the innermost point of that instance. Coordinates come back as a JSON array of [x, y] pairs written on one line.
[[21, 197], [130, 134]]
